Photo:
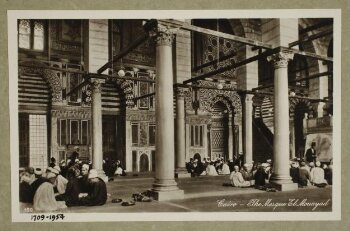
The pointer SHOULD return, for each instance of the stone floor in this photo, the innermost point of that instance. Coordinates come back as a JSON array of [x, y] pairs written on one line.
[[207, 194]]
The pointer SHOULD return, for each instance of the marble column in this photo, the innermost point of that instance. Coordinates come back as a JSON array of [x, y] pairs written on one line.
[[165, 186], [230, 138], [293, 153], [96, 107], [180, 135], [280, 177], [248, 128]]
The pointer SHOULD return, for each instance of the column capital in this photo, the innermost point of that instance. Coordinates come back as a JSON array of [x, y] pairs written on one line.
[[162, 35], [248, 97], [180, 92], [96, 84], [280, 59]]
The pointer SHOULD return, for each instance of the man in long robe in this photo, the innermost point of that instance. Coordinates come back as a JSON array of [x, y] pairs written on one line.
[[97, 194]]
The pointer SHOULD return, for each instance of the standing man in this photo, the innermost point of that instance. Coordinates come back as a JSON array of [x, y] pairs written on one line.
[[310, 155]]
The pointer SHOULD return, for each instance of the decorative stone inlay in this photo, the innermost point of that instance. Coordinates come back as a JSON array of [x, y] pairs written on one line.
[[127, 87], [281, 59], [50, 77], [208, 97], [293, 102]]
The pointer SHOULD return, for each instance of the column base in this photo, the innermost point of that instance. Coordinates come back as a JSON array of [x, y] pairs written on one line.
[[167, 195], [165, 190], [102, 175], [182, 173], [283, 183]]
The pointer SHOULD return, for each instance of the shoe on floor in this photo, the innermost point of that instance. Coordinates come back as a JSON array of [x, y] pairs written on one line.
[[128, 203], [117, 200]]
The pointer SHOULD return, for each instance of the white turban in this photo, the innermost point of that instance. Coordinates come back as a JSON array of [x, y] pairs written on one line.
[[93, 173]]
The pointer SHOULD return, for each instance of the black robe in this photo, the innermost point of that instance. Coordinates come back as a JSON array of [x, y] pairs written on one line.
[[294, 173], [260, 177], [71, 196], [36, 184], [84, 184], [97, 194], [26, 194]]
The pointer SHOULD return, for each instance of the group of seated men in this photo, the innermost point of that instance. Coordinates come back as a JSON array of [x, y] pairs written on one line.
[[314, 173], [303, 174], [258, 174], [51, 191], [209, 167]]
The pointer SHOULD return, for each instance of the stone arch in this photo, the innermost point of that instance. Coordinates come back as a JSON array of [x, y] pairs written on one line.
[[50, 76], [294, 102], [208, 96], [223, 100], [127, 88]]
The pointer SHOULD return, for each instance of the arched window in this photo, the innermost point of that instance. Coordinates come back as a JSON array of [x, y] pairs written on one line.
[[31, 34]]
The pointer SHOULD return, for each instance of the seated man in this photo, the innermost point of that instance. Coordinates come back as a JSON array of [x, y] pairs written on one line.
[[71, 196], [317, 176], [44, 198], [246, 173], [261, 176], [304, 175], [225, 169], [237, 178], [38, 180], [26, 193], [97, 194], [84, 179], [61, 182], [211, 171], [294, 172]]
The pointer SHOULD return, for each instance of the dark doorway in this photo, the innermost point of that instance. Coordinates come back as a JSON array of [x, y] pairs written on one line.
[[219, 131], [109, 137], [144, 163]]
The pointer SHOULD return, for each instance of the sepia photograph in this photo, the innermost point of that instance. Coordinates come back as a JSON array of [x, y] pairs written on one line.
[[175, 115]]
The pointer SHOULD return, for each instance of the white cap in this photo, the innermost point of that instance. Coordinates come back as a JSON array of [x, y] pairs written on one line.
[[38, 171]]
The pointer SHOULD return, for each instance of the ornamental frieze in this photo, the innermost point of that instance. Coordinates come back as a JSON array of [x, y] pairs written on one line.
[[140, 116], [198, 120], [71, 113]]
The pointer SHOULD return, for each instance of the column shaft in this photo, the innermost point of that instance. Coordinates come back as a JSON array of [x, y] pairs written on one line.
[[248, 129], [97, 152], [230, 138], [180, 131], [281, 177], [165, 186]]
